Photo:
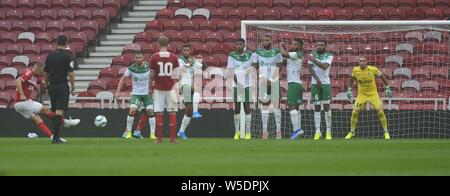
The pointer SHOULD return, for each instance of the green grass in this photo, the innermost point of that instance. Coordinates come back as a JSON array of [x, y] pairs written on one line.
[[101, 156]]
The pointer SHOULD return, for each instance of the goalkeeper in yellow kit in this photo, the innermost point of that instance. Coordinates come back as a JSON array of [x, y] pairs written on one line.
[[367, 92]]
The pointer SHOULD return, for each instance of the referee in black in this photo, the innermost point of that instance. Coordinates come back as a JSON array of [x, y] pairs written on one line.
[[59, 67]]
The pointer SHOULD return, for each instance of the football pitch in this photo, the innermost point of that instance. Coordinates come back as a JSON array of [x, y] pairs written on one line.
[[204, 157]]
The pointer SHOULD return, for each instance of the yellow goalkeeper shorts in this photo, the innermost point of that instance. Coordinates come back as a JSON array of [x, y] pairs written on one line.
[[361, 102]]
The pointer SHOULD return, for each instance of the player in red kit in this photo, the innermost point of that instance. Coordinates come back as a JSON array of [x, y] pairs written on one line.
[[30, 109], [162, 64]]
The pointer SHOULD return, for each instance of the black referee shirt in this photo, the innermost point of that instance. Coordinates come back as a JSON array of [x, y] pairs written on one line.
[[57, 66]]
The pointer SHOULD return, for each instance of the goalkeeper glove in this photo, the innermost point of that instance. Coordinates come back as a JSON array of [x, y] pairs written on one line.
[[349, 94], [388, 91]]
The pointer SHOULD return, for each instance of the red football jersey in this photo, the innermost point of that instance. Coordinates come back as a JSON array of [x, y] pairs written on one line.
[[29, 83], [163, 64]]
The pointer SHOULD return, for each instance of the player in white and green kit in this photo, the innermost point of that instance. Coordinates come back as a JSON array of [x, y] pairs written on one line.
[[240, 62], [141, 93], [190, 98], [268, 60], [319, 63], [295, 85]]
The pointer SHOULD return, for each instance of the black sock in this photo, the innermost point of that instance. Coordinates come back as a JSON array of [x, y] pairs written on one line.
[[56, 126]]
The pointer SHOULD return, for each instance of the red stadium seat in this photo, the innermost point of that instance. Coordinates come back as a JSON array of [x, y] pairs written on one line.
[[165, 13], [172, 25], [431, 60], [370, 3], [396, 14], [282, 3], [37, 26], [20, 26], [154, 25], [99, 84], [253, 14], [389, 3], [14, 14], [343, 14], [387, 71], [193, 4], [271, 14], [189, 25], [441, 3], [421, 73], [175, 3], [211, 3], [245, 4], [94, 4], [112, 85], [361, 14], [425, 3], [235, 14], [47, 48], [415, 14], [288, 14], [218, 13], [207, 25], [49, 14], [102, 18], [5, 98], [14, 49], [55, 27], [5, 26], [10, 4], [8, 38], [228, 3], [352, 3], [77, 4], [142, 38], [204, 49], [5, 61], [430, 85], [439, 73], [225, 25], [31, 49], [307, 14], [214, 37], [316, 3], [221, 49], [72, 27], [231, 37], [108, 72], [131, 48], [120, 61], [31, 15], [197, 37], [83, 15], [378, 14], [113, 7], [78, 42], [43, 38], [433, 14], [66, 14], [60, 4], [325, 14], [407, 3], [91, 29], [334, 3]]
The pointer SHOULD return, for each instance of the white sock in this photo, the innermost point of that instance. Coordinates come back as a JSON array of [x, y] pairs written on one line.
[[195, 101], [248, 121], [185, 123], [299, 119], [130, 120], [152, 124], [278, 118], [328, 120], [237, 121], [265, 119], [317, 121], [294, 119]]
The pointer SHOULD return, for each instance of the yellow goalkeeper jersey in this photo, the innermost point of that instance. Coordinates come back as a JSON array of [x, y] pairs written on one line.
[[366, 80]]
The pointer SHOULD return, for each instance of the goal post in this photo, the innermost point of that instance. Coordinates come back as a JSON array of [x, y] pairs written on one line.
[[414, 56]]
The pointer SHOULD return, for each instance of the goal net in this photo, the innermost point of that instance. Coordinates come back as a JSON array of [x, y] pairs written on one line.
[[414, 56]]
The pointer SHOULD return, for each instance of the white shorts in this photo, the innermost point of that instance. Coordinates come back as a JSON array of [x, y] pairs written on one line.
[[165, 100], [28, 109]]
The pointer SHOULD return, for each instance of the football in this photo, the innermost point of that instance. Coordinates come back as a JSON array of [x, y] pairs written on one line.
[[100, 121]]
